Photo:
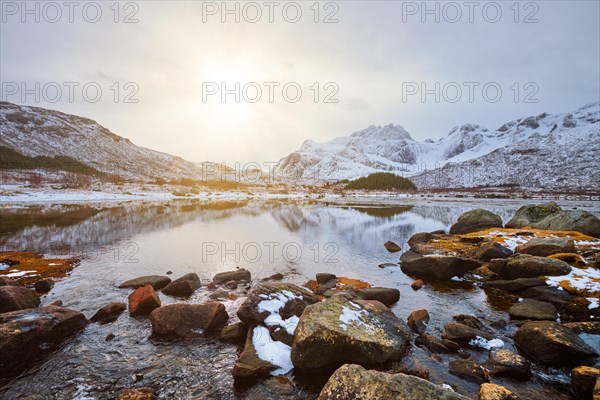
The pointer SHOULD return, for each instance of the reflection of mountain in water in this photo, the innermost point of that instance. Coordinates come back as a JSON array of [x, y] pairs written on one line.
[[449, 214]]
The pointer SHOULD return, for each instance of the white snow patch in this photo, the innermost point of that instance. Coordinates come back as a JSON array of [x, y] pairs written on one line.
[[486, 344], [353, 317], [578, 278], [447, 387], [594, 303], [275, 302], [18, 274], [275, 352]]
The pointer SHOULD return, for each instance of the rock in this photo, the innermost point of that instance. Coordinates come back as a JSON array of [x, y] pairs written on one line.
[[281, 335], [109, 337], [274, 277], [143, 300], [249, 365], [156, 281], [14, 298], [471, 321], [591, 327], [184, 286], [387, 265], [186, 320], [475, 221], [583, 380], [526, 266], [352, 381], [548, 294], [529, 214], [505, 363], [238, 275], [578, 309], [392, 247], [491, 250], [323, 278], [285, 299], [43, 286], [234, 333], [544, 247], [436, 345], [439, 267], [421, 237], [4, 281], [387, 296], [551, 344], [467, 369], [596, 393], [418, 320], [572, 220], [339, 331], [322, 288], [416, 285], [516, 285], [231, 285], [109, 313], [219, 294], [27, 334], [490, 391], [56, 303], [136, 394], [534, 310], [463, 334]]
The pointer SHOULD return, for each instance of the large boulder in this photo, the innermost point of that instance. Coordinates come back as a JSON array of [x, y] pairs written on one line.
[[438, 267], [185, 320], [533, 310], [109, 313], [387, 296], [529, 214], [490, 250], [238, 276], [14, 298], [505, 363], [352, 381], [491, 391], [526, 266], [552, 344], [143, 300], [544, 247], [156, 281], [572, 220], [27, 334], [340, 331], [475, 221], [420, 237], [184, 286]]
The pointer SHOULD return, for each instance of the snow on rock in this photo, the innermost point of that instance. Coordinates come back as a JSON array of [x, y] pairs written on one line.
[[353, 317], [274, 302], [486, 344], [273, 351]]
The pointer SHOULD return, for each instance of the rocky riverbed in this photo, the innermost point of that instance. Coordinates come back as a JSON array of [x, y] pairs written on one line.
[[331, 336]]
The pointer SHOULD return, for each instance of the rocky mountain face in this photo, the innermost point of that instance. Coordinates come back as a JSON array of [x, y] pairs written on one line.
[[550, 152]]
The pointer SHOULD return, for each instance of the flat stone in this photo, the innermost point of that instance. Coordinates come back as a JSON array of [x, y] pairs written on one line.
[[544, 247], [505, 363], [238, 275], [156, 281], [533, 310]]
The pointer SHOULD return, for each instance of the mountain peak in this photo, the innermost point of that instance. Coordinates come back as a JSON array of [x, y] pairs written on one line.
[[386, 132]]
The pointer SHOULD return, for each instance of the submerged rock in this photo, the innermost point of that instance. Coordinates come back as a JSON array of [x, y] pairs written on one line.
[[109, 313], [184, 286], [238, 275], [14, 298], [340, 331], [544, 247], [352, 381], [534, 310], [490, 391], [143, 300], [516, 285], [439, 267], [476, 220], [505, 363], [552, 344], [156, 281], [184, 320], [387, 296], [527, 266]]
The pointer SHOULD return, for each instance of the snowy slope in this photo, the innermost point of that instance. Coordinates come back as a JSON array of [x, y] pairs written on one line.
[[544, 151], [34, 131]]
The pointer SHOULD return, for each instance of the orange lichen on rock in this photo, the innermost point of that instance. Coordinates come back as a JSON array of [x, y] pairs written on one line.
[[341, 284], [28, 267], [571, 258]]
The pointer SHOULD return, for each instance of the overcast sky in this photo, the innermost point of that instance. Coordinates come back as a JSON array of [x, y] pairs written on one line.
[[373, 61]]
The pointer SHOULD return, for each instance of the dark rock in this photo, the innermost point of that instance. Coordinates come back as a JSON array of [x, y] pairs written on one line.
[[281, 335], [234, 333], [14, 298], [421, 237], [591, 327], [467, 369], [439, 267], [388, 265], [490, 391], [418, 284], [143, 300], [526, 266], [578, 309], [274, 277], [238, 275], [505, 363], [323, 278], [387, 296], [572, 220], [533, 310], [463, 334], [109, 337], [109, 313], [324, 287], [249, 365], [156, 281], [583, 380], [438, 232], [231, 285], [544, 247], [184, 286], [418, 320], [392, 247], [470, 321], [548, 294], [516, 285], [185, 320], [436, 345], [491, 250], [529, 214], [169, 272], [219, 294], [43, 286], [4, 281], [551, 344], [475, 221]]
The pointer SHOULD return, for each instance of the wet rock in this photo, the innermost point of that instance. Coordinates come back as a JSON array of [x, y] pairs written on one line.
[[418, 284], [418, 320], [421, 237], [186, 320], [323, 278], [249, 365], [56, 303], [156, 281], [231, 285], [544, 247], [14, 298], [474, 221], [4, 281], [436, 345], [470, 320], [27, 334], [322, 288], [289, 299], [184, 286], [234, 333], [490, 391], [583, 380], [526, 266], [219, 295], [492, 250], [136, 394], [211, 285], [109, 337], [274, 277], [43, 286], [551, 344], [572, 220], [516, 285], [143, 300], [392, 247], [339, 331], [439, 267], [109, 313], [529, 214], [548, 294], [591, 327], [505, 363], [463, 334], [387, 265], [352, 381], [467, 369], [387, 296], [533, 310], [238, 275]]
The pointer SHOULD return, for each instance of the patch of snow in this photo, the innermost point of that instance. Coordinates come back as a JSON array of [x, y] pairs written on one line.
[[594, 303], [353, 317], [18, 274], [486, 344], [447, 387], [275, 352], [587, 279], [274, 302]]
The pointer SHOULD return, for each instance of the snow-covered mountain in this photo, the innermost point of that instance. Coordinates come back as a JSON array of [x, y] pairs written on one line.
[[553, 152], [34, 131]]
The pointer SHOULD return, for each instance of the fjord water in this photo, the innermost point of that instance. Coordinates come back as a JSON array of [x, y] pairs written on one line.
[[118, 241]]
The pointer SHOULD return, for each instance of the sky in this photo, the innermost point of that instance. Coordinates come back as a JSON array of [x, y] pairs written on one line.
[[250, 81]]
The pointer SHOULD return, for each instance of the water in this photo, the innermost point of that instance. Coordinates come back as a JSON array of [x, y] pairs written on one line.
[[118, 241]]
